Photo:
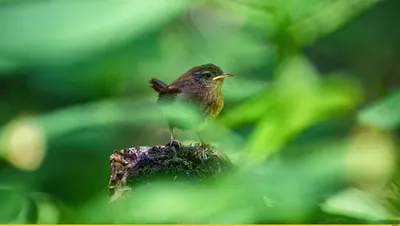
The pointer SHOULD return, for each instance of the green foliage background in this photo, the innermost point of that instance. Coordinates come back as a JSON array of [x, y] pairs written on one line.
[[311, 117]]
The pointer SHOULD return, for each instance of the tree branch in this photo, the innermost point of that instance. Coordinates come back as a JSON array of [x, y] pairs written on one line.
[[143, 164]]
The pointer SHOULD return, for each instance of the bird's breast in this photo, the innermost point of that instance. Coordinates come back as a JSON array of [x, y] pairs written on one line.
[[212, 104]]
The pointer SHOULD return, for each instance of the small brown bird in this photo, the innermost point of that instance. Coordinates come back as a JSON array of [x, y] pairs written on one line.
[[199, 87]]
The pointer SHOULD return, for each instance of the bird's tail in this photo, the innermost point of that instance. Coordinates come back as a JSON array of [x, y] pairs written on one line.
[[158, 85]]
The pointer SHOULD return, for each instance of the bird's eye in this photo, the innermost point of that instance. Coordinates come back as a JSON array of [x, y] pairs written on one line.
[[207, 74]]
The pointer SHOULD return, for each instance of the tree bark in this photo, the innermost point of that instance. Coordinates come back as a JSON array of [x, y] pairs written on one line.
[[134, 165]]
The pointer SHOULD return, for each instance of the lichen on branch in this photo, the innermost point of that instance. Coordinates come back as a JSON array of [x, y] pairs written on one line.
[[134, 165]]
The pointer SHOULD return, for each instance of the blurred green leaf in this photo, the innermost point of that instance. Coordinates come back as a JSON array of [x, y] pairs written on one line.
[[48, 212], [104, 112], [175, 203], [48, 33], [300, 99], [7, 65], [304, 20], [357, 204], [14, 207], [326, 18], [384, 113]]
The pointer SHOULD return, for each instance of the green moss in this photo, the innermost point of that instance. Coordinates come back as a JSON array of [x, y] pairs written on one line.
[[191, 162]]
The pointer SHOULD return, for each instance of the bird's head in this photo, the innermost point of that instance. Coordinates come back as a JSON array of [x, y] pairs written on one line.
[[208, 75]]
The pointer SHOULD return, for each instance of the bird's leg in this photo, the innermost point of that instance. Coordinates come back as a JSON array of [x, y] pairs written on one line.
[[173, 142]]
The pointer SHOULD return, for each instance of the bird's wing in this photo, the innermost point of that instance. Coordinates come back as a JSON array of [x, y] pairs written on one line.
[[178, 108], [169, 95]]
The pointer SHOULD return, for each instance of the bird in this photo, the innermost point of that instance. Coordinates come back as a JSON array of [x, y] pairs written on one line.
[[199, 87]]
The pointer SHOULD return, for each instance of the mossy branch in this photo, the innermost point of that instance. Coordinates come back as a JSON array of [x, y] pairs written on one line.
[[138, 164]]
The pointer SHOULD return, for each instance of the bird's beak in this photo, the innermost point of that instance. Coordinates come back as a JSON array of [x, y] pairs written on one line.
[[223, 76]]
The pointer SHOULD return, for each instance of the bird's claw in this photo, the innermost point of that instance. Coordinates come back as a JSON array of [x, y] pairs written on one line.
[[174, 143]]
